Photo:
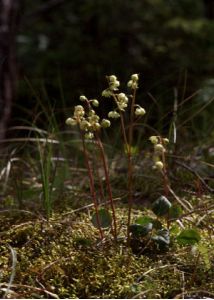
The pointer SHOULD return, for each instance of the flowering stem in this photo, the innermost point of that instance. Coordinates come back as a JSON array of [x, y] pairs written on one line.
[[92, 189], [128, 148], [102, 152], [130, 199], [165, 176], [130, 165]]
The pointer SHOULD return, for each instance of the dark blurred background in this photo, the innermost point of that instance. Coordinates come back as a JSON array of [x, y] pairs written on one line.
[[53, 51]]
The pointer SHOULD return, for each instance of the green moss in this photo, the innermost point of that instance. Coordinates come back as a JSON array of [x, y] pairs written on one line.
[[65, 256]]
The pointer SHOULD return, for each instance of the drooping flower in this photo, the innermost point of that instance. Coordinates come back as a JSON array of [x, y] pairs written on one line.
[[105, 123], [140, 111], [153, 139], [159, 148], [159, 165], [83, 98], [95, 102], [71, 122], [113, 114]]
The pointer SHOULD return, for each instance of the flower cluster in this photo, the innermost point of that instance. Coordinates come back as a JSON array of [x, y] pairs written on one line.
[[159, 149], [121, 99], [113, 86], [133, 82], [88, 122], [113, 83]]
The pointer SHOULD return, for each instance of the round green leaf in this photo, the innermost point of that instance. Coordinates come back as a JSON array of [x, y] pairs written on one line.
[[144, 220], [140, 230], [175, 211], [105, 218], [161, 206], [188, 237]]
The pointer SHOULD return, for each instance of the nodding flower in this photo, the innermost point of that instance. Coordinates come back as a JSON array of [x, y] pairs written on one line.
[[135, 77], [154, 139], [106, 93], [95, 102], [71, 122], [105, 123], [159, 148], [140, 111], [159, 165], [113, 114], [83, 98]]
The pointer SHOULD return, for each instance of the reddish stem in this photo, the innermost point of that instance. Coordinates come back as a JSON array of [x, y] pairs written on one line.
[[102, 152], [92, 189]]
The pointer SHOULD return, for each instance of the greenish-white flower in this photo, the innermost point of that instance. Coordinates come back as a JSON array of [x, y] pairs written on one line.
[[85, 125], [83, 98], [153, 139], [122, 97], [105, 123], [140, 111], [112, 78], [122, 101], [89, 135], [113, 114], [95, 102], [159, 148], [135, 77], [96, 126], [132, 84], [71, 122], [166, 141], [106, 93], [159, 165], [93, 117], [79, 111], [114, 85]]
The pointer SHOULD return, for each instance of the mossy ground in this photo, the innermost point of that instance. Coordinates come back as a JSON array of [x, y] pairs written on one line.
[[63, 258]]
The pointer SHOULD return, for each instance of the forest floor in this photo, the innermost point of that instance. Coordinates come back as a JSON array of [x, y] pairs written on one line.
[[65, 258], [50, 247]]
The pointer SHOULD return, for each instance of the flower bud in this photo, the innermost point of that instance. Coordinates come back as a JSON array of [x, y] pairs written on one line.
[[113, 114], [129, 84], [132, 84], [140, 111], [89, 135], [135, 77], [159, 165], [112, 78], [153, 139], [92, 112], [114, 85], [85, 125], [159, 148], [83, 98], [71, 122], [107, 93], [96, 126], [79, 111], [105, 123], [122, 97], [95, 102], [166, 141]]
